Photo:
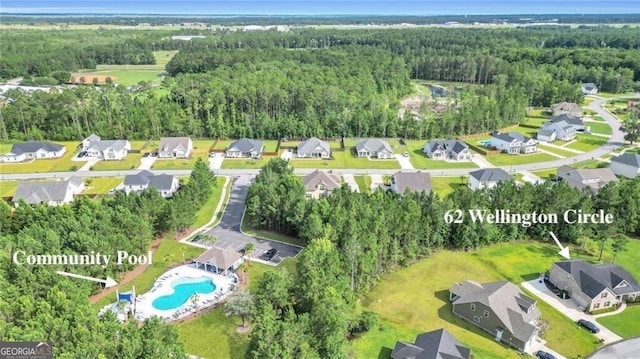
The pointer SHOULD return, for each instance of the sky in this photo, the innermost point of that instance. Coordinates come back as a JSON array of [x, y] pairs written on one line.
[[322, 7]]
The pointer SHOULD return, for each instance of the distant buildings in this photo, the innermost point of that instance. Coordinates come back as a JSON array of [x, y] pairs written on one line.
[[627, 165], [589, 88], [33, 150], [566, 108]]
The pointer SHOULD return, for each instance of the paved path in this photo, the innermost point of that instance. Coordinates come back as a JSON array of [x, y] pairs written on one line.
[[561, 147], [377, 181], [626, 349], [147, 162], [541, 344], [481, 162], [87, 166], [287, 155], [569, 308], [351, 181], [404, 162], [550, 153], [215, 162], [530, 177]]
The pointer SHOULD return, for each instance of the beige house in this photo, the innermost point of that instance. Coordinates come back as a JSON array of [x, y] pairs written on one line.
[[320, 184]]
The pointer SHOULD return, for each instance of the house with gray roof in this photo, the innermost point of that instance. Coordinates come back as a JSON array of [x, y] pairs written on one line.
[[566, 108], [107, 149], [24, 151], [513, 143], [589, 88], [245, 148], [438, 344], [575, 121], [53, 193], [412, 181], [487, 178], [559, 130], [165, 184], [175, 147], [594, 286], [500, 309], [627, 165], [448, 149], [374, 147], [592, 178], [320, 183], [219, 260], [314, 148]]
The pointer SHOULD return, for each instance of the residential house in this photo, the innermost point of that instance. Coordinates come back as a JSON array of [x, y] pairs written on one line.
[[245, 148], [165, 184], [575, 121], [513, 143], [594, 286], [106, 150], [566, 108], [589, 88], [53, 193], [448, 149], [314, 148], [552, 131], [487, 178], [412, 181], [320, 183], [627, 165], [374, 147], [175, 147], [593, 178], [32, 150], [438, 344], [500, 309]]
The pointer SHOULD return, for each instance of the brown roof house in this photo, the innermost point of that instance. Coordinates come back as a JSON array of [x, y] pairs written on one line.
[[500, 309], [592, 178], [412, 181], [175, 147], [438, 344], [320, 184], [594, 287]]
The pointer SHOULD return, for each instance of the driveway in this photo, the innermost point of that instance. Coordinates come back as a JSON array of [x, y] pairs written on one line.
[[286, 155], [481, 161], [90, 162], [404, 162], [540, 344], [351, 181], [377, 181], [147, 162], [530, 177], [215, 162], [228, 230], [569, 308]]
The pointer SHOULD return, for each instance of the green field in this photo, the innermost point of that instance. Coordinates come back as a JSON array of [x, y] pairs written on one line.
[[246, 163], [128, 75], [364, 183], [599, 127], [101, 185], [203, 216], [420, 161], [62, 164], [444, 185], [546, 174], [586, 143], [557, 151], [624, 324], [406, 309], [132, 161], [503, 159], [7, 188], [346, 159], [200, 150]]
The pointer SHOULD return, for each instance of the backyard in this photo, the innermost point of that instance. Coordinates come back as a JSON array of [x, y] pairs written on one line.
[[62, 164], [444, 185], [364, 183], [200, 150], [586, 143], [101, 185]]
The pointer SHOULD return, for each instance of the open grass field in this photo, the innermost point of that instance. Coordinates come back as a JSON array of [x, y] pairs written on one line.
[[62, 164], [503, 159], [624, 324], [406, 309], [557, 151], [599, 127], [246, 163], [128, 75], [101, 185], [206, 212], [442, 186], [132, 161], [7, 188], [586, 143], [420, 161], [346, 159], [364, 183], [200, 150], [534, 121], [546, 174]]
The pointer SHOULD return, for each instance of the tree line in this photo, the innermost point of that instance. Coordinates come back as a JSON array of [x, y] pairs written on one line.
[[354, 238]]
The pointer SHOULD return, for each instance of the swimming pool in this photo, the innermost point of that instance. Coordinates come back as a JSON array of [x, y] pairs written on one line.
[[183, 289]]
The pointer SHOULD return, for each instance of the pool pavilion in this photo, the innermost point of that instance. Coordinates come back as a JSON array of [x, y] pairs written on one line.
[[219, 260]]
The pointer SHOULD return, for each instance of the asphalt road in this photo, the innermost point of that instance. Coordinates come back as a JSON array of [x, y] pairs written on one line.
[[616, 140], [228, 232], [626, 349]]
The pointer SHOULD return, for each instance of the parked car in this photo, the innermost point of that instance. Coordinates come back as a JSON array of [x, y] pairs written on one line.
[[268, 255], [540, 354], [154, 154], [212, 154], [82, 154], [589, 326], [146, 154], [406, 154]]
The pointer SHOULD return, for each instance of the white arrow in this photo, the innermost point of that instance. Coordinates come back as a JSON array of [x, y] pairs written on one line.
[[107, 282], [564, 251]]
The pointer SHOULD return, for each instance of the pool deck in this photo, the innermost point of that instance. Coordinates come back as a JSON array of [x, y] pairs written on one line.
[[162, 286]]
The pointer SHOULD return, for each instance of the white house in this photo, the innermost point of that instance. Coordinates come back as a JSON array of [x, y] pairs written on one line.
[[314, 148], [627, 165], [374, 147], [487, 178], [33, 150], [166, 185], [105, 150], [448, 149], [589, 88], [245, 148], [175, 147], [513, 143], [53, 193]]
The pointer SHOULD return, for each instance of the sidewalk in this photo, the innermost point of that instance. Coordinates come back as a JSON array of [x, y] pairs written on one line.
[[214, 218], [481, 161], [351, 181], [563, 148], [376, 182]]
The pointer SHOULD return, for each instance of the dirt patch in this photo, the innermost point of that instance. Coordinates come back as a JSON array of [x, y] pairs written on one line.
[[88, 78], [241, 330]]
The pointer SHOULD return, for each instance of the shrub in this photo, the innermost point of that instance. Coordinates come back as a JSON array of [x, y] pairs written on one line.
[[74, 168], [604, 310]]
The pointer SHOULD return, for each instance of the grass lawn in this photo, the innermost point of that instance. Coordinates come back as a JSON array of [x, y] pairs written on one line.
[[534, 121], [5, 147], [445, 185], [587, 143], [145, 146], [130, 162], [420, 161], [546, 174], [101, 185], [557, 151], [203, 216], [503, 159], [223, 144], [531, 132], [245, 163], [601, 128], [7, 188], [624, 324], [200, 150], [270, 145], [346, 159], [62, 164], [406, 309], [246, 228], [364, 183]]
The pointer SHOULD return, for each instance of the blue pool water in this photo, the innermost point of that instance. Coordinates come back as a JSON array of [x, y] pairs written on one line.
[[183, 288]]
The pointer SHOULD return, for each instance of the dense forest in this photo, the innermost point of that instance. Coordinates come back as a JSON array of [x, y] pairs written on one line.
[[353, 238], [38, 304]]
